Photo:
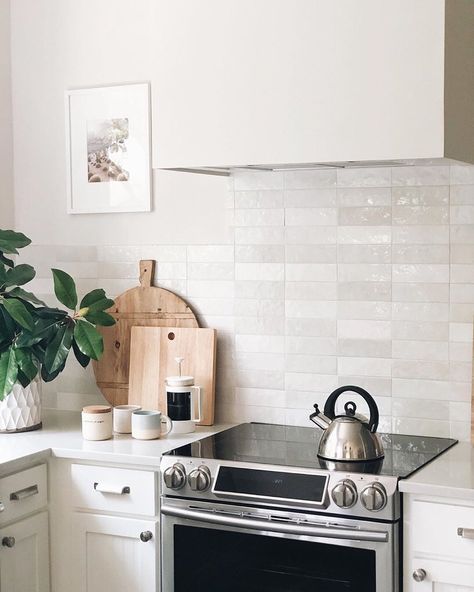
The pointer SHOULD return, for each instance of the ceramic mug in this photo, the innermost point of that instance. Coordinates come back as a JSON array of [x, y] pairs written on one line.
[[148, 425], [123, 418]]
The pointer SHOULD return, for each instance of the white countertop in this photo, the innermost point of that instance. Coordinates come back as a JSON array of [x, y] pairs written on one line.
[[450, 475], [61, 437]]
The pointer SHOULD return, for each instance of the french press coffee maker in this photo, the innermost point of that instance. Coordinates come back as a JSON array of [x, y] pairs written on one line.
[[183, 401]]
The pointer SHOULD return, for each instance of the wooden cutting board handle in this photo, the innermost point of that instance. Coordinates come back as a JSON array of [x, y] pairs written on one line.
[[147, 272]]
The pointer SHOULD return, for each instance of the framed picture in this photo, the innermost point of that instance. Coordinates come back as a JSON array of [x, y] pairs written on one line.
[[108, 149]]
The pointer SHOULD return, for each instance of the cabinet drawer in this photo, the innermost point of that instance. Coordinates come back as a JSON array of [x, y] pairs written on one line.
[[435, 530], [114, 490], [441, 576], [23, 493]]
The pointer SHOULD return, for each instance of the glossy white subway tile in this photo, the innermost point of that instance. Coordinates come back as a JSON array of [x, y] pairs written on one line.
[[212, 306], [310, 235], [301, 381], [311, 327], [462, 253], [421, 196], [423, 369], [420, 311], [310, 198], [420, 215], [210, 254], [462, 273], [260, 254], [310, 216], [460, 371], [364, 177], [459, 411], [418, 408], [420, 292], [260, 397], [428, 427], [462, 175], [316, 346], [420, 350], [413, 388], [260, 343], [259, 361], [311, 290], [462, 234], [364, 235], [350, 309], [365, 348], [311, 364], [460, 332], [256, 180], [210, 271], [421, 235], [462, 214], [461, 312], [373, 367], [462, 195], [420, 253], [364, 272], [420, 330], [310, 309], [215, 288], [260, 289], [273, 272], [353, 197], [258, 199], [262, 235], [258, 378], [311, 272], [260, 325], [364, 253], [259, 307], [310, 253], [421, 272], [372, 291], [376, 386], [420, 175], [462, 293], [364, 216], [360, 329], [310, 179], [460, 352], [257, 218]]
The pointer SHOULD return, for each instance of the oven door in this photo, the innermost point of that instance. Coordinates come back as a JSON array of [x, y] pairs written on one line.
[[223, 547]]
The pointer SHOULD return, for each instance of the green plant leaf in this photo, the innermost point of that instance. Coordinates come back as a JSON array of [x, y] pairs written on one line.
[[24, 295], [80, 357], [65, 288], [7, 326], [49, 376], [9, 239], [23, 379], [45, 312], [100, 318], [3, 275], [101, 305], [88, 339], [19, 275], [25, 362], [5, 260], [8, 372], [58, 349], [19, 313], [92, 297]]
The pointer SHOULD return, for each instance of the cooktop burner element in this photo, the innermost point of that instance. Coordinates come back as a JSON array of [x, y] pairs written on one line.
[[296, 447]]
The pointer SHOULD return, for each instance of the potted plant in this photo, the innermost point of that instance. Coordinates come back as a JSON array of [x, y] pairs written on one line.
[[36, 339]]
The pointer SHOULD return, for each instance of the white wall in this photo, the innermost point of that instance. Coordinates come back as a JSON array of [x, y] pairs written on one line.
[[6, 148], [64, 44]]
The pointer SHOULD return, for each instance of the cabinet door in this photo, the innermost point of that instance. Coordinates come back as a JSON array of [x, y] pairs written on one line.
[[24, 566], [441, 576], [112, 556]]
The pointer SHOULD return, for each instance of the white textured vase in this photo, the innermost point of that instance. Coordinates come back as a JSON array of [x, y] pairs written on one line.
[[20, 411]]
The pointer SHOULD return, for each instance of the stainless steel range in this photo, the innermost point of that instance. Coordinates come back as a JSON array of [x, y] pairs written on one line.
[[253, 508]]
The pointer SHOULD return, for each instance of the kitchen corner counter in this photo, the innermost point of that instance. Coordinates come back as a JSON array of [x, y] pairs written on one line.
[[451, 475], [61, 437]]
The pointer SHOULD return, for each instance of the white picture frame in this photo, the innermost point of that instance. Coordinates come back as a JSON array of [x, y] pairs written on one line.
[[108, 149]]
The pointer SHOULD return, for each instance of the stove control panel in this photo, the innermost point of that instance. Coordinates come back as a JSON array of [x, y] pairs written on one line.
[[344, 494], [175, 476], [200, 479], [374, 497]]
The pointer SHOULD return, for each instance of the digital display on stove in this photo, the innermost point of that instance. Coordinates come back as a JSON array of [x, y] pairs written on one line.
[[271, 484]]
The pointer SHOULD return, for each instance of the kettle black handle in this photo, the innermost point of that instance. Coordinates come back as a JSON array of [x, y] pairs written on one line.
[[330, 406]]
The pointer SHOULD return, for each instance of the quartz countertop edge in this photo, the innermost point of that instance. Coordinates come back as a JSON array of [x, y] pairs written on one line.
[[61, 437], [451, 475]]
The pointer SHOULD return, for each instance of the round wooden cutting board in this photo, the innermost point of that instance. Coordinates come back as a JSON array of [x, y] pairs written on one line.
[[143, 306]]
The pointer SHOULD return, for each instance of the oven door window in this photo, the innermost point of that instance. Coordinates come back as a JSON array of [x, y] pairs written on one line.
[[218, 560]]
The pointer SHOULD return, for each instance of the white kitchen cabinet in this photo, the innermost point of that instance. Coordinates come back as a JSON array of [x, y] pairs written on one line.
[[434, 548], [277, 81], [24, 564], [112, 556]]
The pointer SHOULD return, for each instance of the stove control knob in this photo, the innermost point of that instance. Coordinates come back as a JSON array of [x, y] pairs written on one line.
[[344, 494], [200, 479], [374, 497], [175, 476]]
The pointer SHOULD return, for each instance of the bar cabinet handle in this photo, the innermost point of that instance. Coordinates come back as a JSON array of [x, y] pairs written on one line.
[[113, 489], [466, 533], [22, 494]]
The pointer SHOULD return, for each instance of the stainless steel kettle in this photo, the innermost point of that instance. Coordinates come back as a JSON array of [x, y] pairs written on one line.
[[348, 437]]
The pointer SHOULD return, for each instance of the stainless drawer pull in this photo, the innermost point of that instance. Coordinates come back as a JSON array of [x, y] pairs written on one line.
[[22, 494], [109, 488], [466, 533]]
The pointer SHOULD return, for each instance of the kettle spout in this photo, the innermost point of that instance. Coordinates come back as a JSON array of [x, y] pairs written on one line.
[[318, 417]]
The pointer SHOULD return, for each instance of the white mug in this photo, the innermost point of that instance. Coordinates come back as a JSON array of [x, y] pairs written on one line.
[[123, 418], [148, 425]]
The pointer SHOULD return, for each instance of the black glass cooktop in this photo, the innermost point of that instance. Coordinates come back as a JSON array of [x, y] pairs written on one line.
[[293, 446]]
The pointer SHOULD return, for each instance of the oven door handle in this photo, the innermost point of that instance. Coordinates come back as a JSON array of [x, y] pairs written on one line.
[[325, 531]]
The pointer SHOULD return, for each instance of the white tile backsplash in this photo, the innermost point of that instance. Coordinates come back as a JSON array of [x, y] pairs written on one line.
[[362, 276]]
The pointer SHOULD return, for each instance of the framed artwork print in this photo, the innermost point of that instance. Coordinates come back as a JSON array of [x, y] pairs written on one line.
[[108, 149]]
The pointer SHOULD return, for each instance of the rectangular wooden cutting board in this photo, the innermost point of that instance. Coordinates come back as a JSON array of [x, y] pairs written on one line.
[[153, 353]]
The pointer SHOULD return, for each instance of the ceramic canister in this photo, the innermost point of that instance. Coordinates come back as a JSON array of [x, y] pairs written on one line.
[[97, 422]]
